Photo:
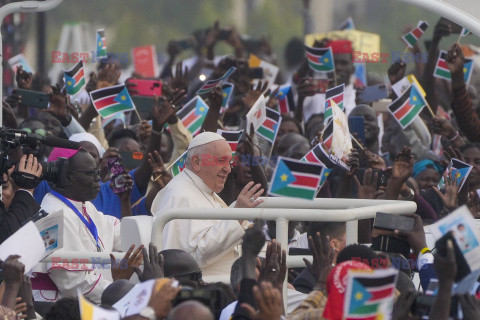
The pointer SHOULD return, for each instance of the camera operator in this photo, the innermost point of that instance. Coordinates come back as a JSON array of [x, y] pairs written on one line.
[[26, 176]]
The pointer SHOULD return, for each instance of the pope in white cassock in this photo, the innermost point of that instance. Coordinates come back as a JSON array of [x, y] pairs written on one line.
[[210, 242], [85, 229]]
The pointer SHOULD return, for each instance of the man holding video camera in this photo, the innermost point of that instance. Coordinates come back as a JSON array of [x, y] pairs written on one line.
[[26, 176]]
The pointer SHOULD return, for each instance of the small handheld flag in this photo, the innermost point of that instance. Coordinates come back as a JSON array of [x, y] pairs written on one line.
[[108, 101], [269, 128], [179, 164], [459, 171], [319, 155], [360, 75], [370, 294], [75, 79], [118, 118], [407, 107], [295, 178], [320, 59], [327, 135], [465, 32], [101, 44], [232, 137], [257, 114], [347, 24], [227, 90], [193, 114], [442, 71], [336, 95], [412, 37], [286, 103], [341, 143], [211, 84]]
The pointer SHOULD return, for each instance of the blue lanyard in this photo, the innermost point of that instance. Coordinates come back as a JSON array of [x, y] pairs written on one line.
[[90, 225]]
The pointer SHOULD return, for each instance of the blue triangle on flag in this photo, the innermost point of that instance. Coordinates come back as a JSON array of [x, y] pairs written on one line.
[[69, 81], [359, 296], [200, 107], [283, 177], [124, 98]]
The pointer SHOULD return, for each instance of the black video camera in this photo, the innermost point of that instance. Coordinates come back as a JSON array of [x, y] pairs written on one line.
[[54, 171]]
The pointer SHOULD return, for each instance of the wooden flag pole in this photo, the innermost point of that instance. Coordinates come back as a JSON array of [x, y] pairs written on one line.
[[138, 115], [406, 50], [459, 37], [357, 142], [166, 169], [429, 108]]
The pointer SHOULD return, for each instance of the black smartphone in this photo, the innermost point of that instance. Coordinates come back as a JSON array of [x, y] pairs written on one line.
[[143, 104], [131, 160], [34, 99], [185, 44], [441, 247], [255, 73], [357, 128], [224, 34], [393, 222], [373, 93]]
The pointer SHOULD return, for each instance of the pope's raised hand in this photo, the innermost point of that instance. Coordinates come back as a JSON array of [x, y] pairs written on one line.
[[248, 197]]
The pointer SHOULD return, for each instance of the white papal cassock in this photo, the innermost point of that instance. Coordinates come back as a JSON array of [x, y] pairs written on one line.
[[210, 242], [69, 276]]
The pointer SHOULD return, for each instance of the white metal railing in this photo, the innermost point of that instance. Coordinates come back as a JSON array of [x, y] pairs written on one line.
[[281, 210]]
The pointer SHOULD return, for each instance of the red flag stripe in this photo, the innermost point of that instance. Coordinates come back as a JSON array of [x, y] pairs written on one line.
[[79, 75], [313, 57], [310, 157], [381, 294], [328, 142], [442, 64], [269, 123], [233, 145], [403, 110], [189, 118], [283, 106], [306, 181], [417, 32], [105, 102]]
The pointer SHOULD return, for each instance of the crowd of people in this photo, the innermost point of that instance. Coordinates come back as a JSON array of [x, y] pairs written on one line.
[[393, 163]]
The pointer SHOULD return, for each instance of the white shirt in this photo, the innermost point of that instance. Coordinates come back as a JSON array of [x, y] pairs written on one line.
[[210, 242], [68, 276]]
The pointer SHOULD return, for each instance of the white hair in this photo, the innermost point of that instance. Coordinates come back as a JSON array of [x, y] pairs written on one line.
[[200, 150]]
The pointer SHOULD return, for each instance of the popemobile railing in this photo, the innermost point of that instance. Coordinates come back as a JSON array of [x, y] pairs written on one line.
[[282, 210]]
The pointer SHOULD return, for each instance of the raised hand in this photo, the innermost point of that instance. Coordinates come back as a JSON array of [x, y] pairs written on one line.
[[163, 108], [180, 81], [125, 269], [24, 79], [403, 165], [368, 189], [215, 98], [446, 266], [269, 302], [249, 192], [272, 101], [152, 264], [375, 161], [443, 127], [160, 175], [416, 237], [59, 105], [144, 131], [306, 88], [450, 197], [455, 60], [108, 76], [161, 300], [353, 161], [322, 255], [254, 93], [274, 268]]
